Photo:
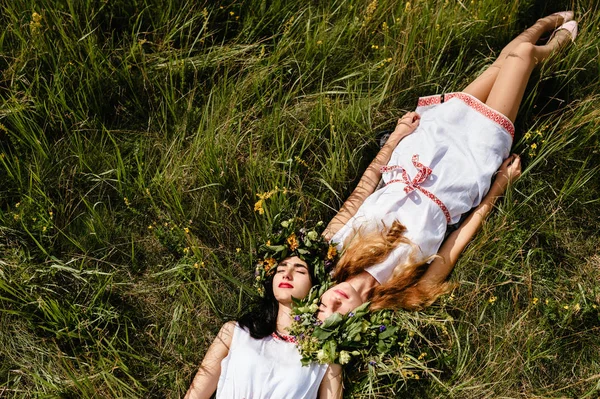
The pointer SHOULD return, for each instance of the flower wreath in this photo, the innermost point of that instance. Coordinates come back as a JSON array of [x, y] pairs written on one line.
[[289, 239], [360, 335]]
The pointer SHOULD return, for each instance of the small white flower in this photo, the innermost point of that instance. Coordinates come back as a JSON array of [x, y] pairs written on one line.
[[344, 357], [321, 356]]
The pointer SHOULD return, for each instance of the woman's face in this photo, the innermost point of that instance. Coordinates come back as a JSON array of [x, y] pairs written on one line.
[[340, 298], [291, 279]]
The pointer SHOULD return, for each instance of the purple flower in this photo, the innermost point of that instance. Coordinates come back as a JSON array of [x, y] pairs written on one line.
[[318, 323], [381, 328], [350, 314], [372, 362], [297, 318]]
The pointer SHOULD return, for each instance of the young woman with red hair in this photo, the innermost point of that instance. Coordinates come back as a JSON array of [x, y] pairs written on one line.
[[437, 165]]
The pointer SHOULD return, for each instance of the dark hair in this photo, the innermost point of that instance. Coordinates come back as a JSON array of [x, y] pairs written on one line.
[[261, 320]]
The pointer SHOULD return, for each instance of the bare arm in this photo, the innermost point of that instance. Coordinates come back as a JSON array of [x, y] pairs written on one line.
[[370, 179], [331, 386], [207, 377], [455, 243]]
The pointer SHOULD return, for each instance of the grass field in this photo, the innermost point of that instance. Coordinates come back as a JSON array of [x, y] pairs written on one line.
[[136, 136]]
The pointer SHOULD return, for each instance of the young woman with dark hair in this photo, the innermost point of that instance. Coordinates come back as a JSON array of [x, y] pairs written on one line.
[[255, 357], [437, 165]]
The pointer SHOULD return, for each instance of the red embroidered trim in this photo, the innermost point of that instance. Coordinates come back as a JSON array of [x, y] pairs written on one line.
[[474, 103], [423, 172], [287, 338], [429, 100]]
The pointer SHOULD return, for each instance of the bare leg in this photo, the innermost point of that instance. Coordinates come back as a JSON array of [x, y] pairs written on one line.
[[507, 91], [482, 86]]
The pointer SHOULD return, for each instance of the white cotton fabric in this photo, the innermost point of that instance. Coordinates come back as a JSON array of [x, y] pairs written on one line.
[[464, 142], [266, 368]]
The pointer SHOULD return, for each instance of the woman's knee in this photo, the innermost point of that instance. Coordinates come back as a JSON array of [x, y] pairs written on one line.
[[524, 50]]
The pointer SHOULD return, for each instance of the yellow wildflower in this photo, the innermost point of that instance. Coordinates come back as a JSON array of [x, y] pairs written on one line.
[[369, 11], [492, 299], [288, 25], [422, 356], [149, 227], [407, 6], [535, 301], [319, 42], [16, 216], [186, 230], [126, 201], [566, 307], [577, 307], [18, 204], [297, 158], [258, 207], [533, 146], [238, 250], [186, 250], [292, 242], [269, 263], [231, 13], [331, 252], [35, 23]]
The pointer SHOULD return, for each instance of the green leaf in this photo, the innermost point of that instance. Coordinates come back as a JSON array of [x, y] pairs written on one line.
[[332, 321], [390, 331], [276, 248]]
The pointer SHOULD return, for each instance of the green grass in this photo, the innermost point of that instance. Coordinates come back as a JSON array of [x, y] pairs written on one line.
[[136, 135]]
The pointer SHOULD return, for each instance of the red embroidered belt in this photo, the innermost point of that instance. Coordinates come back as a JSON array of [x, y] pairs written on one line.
[[423, 173]]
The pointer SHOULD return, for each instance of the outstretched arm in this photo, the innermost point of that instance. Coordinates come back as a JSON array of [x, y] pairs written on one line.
[[370, 179], [207, 377], [331, 386], [441, 267]]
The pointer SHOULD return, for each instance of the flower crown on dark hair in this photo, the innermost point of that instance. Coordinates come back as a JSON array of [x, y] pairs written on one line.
[[289, 238]]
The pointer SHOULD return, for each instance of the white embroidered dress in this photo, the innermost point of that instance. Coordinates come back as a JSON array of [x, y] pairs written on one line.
[[266, 368], [436, 174]]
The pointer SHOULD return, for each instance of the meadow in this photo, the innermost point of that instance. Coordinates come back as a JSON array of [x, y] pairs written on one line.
[[146, 146]]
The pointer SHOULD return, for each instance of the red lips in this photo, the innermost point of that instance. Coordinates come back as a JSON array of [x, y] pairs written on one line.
[[342, 293], [285, 285]]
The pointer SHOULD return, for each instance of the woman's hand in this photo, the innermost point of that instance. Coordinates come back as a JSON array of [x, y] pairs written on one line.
[[509, 171], [405, 126]]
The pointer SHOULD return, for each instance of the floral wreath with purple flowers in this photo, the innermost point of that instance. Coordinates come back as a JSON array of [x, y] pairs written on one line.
[[288, 239], [340, 338], [362, 337]]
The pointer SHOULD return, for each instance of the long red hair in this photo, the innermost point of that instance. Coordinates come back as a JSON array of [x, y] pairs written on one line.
[[401, 290]]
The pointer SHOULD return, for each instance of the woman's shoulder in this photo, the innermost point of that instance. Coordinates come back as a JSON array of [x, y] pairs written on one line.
[[227, 331]]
